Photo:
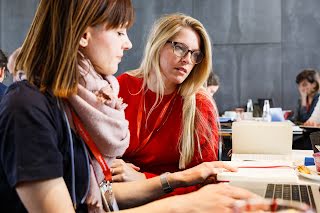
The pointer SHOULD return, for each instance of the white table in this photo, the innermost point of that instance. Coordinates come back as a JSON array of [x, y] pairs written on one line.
[[298, 158]]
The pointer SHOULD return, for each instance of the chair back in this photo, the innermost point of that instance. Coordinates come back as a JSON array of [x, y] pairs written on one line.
[[315, 140]]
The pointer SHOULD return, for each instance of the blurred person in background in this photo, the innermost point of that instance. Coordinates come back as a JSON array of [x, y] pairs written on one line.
[[3, 67], [308, 87], [314, 120], [18, 75], [213, 83]]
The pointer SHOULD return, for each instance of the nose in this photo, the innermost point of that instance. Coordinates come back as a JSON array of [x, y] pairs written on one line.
[[127, 44], [187, 58]]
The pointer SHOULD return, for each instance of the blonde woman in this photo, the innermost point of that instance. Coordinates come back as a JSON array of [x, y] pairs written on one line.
[[171, 117]]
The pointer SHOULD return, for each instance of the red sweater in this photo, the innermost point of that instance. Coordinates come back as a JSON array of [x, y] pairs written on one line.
[[161, 153]]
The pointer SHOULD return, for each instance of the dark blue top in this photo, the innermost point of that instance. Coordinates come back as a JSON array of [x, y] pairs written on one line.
[[3, 89], [34, 145], [303, 114]]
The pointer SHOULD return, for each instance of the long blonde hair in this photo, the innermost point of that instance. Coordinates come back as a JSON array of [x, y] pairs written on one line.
[[49, 53], [163, 30]]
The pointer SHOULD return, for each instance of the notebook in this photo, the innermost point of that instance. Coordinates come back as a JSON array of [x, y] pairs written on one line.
[[309, 194], [261, 141], [259, 171]]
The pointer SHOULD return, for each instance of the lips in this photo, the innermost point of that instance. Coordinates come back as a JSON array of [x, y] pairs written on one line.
[[181, 69]]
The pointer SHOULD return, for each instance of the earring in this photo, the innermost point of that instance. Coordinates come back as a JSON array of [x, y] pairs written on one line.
[[83, 42]]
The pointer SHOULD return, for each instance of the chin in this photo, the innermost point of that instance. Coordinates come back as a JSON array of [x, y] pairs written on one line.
[[111, 70], [179, 80], [114, 71]]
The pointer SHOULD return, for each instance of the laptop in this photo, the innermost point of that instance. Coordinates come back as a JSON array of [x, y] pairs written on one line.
[[276, 114], [266, 141], [309, 194]]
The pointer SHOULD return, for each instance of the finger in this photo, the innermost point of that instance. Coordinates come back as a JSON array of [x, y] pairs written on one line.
[[117, 171], [220, 164], [134, 166], [117, 178], [239, 193], [117, 163], [227, 201]]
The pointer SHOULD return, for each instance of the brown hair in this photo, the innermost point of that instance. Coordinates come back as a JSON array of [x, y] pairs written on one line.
[[3, 59], [49, 52], [310, 75], [213, 80]]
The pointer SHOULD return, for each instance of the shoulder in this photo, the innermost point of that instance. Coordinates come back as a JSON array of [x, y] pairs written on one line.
[[2, 89], [129, 83], [205, 106], [203, 100], [128, 76], [2, 86], [22, 96]]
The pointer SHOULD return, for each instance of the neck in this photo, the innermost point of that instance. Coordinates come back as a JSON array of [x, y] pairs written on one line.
[[169, 87]]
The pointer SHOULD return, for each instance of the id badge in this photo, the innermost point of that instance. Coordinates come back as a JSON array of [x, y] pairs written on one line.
[[108, 199]]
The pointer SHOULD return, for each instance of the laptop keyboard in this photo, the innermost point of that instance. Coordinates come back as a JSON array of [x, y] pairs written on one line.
[[300, 193]]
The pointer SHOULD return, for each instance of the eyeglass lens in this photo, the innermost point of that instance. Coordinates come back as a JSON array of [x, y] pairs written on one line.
[[181, 50]]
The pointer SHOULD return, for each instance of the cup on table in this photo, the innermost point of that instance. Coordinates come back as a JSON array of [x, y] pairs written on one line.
[[239, 112], [316, 157], [230, 114], [270, 205], [247, 115]]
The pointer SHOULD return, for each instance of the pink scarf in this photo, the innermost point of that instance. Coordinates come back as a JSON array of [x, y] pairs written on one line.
[[102, 113]]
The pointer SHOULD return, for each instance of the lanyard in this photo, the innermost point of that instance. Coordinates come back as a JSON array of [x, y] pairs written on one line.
[[94, 149], [159, 122]]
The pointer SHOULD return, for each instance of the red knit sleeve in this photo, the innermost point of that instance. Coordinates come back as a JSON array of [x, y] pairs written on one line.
[[207, 128]]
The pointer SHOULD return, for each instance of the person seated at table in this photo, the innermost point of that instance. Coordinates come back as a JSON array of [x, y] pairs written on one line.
[[314, 120], [308, 87], [172, 122], [3, 66], [18, 75], [213, 83]]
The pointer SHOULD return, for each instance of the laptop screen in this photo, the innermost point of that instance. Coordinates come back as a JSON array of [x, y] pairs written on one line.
[[256, 137]]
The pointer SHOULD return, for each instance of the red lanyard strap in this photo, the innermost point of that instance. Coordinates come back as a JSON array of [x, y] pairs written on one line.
[[92, 146]]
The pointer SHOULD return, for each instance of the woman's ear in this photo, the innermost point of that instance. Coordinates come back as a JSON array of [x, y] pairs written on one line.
[[84, 39]]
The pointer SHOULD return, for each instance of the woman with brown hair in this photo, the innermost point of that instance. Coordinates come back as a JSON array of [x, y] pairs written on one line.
[[3, 67], [308, 87]]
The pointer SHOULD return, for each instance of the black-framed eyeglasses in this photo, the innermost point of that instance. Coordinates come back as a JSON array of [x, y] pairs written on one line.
[[181, 50]]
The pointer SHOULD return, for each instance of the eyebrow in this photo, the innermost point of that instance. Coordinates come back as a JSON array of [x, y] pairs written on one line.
[[186, 45]]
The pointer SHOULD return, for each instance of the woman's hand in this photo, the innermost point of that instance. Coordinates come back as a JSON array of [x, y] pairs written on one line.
[[311, 123], [303, 94], [204, 173], [125, 172], [215, 198]]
